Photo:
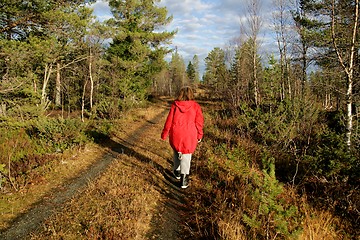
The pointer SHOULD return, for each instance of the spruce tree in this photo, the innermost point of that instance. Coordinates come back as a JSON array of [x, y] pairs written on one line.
[[190, 71]]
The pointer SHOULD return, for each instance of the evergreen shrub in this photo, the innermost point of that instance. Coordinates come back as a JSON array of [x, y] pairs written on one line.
[[107, 108], [59, 134], [271, 214], [330, 157]]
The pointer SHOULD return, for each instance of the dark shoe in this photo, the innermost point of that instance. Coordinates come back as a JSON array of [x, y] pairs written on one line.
[[184, 180], [177, 174]]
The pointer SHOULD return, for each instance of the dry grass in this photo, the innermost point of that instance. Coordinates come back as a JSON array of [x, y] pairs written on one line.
[[222, 193], [125, 200], [119, 205], [316, 225], [230, 228], [50, 176], [128, 183], [320, 225]]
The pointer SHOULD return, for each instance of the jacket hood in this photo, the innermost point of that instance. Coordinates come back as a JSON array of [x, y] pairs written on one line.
[[184, 106]]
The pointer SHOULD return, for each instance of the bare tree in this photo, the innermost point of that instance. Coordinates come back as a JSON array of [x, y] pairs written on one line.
[[281, 21], [251, 28], [347, 61]]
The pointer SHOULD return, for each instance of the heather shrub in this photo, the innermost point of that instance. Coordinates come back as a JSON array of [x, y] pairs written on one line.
[[28, 145], [16, 148]]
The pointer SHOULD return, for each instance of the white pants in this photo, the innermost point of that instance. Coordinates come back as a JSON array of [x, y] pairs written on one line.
[[182, 162]]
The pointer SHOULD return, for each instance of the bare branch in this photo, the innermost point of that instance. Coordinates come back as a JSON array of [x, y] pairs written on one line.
[[11, 89]]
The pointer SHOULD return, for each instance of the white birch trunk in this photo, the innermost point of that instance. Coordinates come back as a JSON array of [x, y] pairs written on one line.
[[348, 67], [47, 73], [83, 102], [58, 85], [256, 82], [91, 81]]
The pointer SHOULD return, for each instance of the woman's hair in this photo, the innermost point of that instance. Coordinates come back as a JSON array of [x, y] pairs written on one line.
[[185, 94]]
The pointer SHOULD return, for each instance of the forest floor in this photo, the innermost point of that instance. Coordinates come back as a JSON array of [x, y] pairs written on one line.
[[133, 168]]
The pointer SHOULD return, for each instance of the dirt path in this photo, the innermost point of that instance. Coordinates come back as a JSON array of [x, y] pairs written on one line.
[[138, 141]]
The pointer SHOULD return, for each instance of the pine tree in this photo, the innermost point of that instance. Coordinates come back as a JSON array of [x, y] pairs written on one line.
[[20, 19], [239, 81], [137, 51], [308, 29], [215, 70]]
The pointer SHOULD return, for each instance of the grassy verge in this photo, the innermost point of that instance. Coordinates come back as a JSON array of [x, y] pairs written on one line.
[[44, 178], [38, 155]]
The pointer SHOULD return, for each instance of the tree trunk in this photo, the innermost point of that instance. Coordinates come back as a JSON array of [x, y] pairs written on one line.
[[35, 86], [349, 119], [348, 66], [58, 85], [44, 99], [83, 102], [256, 82], [304, 68], [91, 81]]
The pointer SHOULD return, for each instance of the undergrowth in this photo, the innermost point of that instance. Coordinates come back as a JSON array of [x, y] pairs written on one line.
[[28, 145], [240, 195]]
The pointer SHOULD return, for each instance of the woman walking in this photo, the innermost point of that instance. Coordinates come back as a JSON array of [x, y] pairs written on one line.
[[184, 126]]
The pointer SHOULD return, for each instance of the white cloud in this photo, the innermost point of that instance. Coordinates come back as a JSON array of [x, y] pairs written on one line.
[[185, 7], [101, 10], [205, 24]]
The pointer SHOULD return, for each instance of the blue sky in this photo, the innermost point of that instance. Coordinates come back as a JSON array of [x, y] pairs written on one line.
[[205, 24]]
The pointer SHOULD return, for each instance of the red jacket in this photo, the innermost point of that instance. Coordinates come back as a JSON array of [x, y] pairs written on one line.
[[184, 126]]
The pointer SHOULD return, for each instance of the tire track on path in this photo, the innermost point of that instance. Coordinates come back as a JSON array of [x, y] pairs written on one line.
[[30, 221]]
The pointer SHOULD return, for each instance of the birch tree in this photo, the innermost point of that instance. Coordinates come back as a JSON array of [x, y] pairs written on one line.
[[346, 57], [251, 28], [282, 22]]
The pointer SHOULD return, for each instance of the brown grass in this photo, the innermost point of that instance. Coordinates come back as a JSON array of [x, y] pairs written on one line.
[[222, 198], [320, 225], [119, 205], [124, 201], [49, 176]]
